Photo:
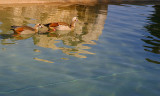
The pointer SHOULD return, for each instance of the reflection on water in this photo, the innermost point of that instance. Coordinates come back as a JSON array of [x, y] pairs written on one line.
[[90, 24], [75, 44], [85, 62], [152, 39], [7, 39]]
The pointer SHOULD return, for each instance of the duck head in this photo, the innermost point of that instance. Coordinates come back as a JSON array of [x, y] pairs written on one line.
[[37, 26], [74, 20]]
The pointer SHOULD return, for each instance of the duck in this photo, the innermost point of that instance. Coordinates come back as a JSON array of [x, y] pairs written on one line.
[[26, 29], [61, 25]]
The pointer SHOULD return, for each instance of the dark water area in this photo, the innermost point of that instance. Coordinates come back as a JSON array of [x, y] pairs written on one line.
[[114, 50]]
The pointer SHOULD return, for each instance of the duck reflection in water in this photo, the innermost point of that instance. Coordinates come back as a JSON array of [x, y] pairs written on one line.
[[7, 39], [20, 33], [74, 47], [89, 27], [91, 20]]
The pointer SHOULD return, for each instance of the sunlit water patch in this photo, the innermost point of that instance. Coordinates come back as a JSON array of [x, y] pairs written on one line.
[[114, 50]]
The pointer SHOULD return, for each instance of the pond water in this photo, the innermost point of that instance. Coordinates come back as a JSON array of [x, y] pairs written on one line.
[[113, 51]]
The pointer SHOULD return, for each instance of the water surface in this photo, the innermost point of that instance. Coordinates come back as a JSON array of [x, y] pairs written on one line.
[[114, 50]]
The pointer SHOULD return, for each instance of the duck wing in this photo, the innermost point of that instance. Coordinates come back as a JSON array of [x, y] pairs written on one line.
[[21, 28], [63, 23], [47, 25], [17, 28], [51, 24], [55, 24], [28, 28]]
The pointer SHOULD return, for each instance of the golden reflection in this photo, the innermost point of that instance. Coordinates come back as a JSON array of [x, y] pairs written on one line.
[[38, 59], [89, 27]]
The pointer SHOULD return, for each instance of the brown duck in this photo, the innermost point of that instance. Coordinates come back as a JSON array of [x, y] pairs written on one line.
[[25, 29], [61, 25]]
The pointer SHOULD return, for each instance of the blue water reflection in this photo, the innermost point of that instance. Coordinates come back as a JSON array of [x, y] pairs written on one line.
[[114, 50]]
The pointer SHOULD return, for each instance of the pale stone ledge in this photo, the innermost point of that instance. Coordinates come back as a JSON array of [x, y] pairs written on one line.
[[50, 1], [72, 1]]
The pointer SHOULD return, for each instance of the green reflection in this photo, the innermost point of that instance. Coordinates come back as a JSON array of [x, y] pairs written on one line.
[[153, 39]]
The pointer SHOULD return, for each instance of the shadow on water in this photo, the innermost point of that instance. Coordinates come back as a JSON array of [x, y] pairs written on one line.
[[7, 39], [153, 38], [90, 24]]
